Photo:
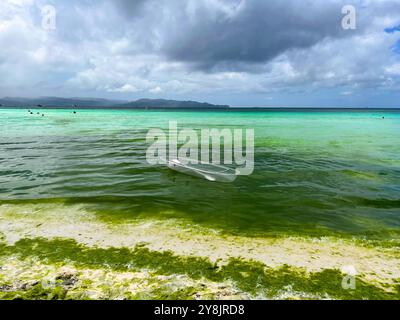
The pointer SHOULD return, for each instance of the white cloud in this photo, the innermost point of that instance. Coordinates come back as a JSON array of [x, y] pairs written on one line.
[[393, 69], [156, 90], [126, 88]]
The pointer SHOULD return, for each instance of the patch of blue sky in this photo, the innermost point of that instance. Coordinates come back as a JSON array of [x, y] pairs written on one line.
[[392, 29]]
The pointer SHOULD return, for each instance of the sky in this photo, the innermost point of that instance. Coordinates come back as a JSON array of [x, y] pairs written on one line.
[[273, 53]]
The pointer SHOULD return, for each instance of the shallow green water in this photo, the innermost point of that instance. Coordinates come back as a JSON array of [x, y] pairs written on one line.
[[316, 173]]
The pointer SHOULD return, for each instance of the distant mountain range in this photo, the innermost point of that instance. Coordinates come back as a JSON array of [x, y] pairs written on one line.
[[55, 102]]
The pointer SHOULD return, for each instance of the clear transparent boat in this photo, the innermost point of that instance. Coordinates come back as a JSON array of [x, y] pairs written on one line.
[[209, 171]]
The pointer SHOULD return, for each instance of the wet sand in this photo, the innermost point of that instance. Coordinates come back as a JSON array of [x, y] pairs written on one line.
[[378, 265]]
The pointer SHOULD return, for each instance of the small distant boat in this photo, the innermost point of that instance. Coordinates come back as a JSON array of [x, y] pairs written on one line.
[[209, 171]]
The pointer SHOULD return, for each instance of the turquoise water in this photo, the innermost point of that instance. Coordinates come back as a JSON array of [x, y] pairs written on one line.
[[315, 172]]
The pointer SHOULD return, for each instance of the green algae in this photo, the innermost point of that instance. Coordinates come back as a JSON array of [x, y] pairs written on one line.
[[250, 277], [254, 277], [117, 211], [36, 292], [165, 293]]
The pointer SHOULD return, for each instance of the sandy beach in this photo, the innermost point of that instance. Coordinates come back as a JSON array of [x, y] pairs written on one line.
[[44, 226]]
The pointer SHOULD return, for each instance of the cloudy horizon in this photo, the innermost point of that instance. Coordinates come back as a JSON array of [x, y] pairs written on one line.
[[236, 52]]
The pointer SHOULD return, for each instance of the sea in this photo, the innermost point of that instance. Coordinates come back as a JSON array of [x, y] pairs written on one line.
[[316, 172]]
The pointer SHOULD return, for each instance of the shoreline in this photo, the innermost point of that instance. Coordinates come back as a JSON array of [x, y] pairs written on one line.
[[230, 109], [58, 237]]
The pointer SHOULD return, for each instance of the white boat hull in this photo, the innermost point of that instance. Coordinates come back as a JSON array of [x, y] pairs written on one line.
[[208, 171]]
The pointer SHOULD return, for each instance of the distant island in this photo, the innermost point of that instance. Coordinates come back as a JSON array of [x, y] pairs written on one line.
[[87, 103]]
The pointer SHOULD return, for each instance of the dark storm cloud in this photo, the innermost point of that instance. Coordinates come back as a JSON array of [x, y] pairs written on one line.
[[230, 34], [130, 8], [261, 31]]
